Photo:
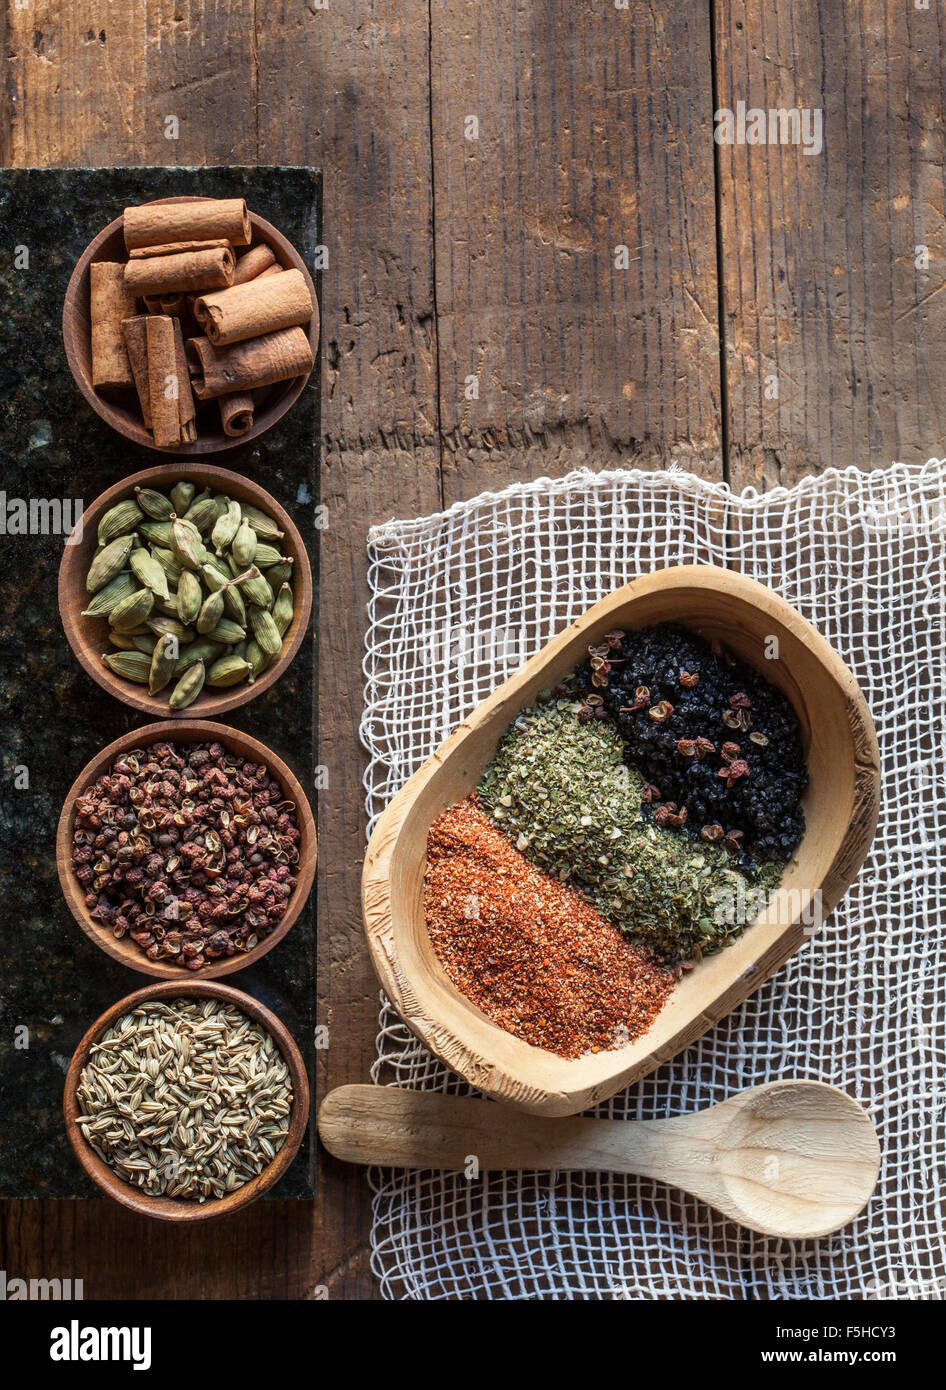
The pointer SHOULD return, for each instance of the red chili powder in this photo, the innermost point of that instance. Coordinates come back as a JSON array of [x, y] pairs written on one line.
[[529, 951]]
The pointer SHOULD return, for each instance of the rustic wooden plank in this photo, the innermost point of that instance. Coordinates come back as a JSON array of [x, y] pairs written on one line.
[[366, 68], [593, 134], [822, 293], [94, 83]]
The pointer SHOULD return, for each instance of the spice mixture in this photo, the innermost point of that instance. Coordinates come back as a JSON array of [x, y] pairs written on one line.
[[560, 790], [189, 849], [188, 1098], [719, 744], [530, 952]]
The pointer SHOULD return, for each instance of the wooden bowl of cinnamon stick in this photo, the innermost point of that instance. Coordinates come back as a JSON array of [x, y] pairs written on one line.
[[190, 324]]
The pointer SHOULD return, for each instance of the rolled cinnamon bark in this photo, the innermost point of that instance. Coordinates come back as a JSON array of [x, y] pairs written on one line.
[[260, 306], [135, 334], [110, 303], [187, 410], [270, 270], [253, 263], [243, 366], [157, 224], [236, 413], [171, 304], [175, 248], [165, 386], [191, 270]]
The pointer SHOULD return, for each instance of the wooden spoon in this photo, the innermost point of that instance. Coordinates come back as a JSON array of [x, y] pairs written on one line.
[[792, 1158]]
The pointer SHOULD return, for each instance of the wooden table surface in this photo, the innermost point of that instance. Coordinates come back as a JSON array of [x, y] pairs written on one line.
[[777, 315]]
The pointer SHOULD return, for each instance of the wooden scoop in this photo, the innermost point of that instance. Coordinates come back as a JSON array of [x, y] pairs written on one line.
[[793, 1158]]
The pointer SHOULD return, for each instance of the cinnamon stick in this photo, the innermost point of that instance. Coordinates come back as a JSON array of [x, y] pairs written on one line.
[[270, 270], [187, 411], [135, 334], [158, 224], [252, 263], [190, 270], [243, 366], [175, 248], [236, 413], [250, 310], [110, 303], [171, 304], [164, 384]]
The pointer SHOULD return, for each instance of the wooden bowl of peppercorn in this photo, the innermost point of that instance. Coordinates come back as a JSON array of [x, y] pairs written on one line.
[[89, 636], [840, 808], [170, 943], [178, 1209]]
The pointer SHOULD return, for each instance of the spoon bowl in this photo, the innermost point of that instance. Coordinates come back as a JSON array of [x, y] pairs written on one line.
[[797, 1159]]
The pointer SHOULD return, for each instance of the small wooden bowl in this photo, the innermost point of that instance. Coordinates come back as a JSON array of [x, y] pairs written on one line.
[[178, 1208], [840, 806], [192, 731], [120, 408], [88, 637]]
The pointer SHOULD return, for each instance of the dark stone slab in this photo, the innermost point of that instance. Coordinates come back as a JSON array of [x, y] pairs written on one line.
[[53, 718]]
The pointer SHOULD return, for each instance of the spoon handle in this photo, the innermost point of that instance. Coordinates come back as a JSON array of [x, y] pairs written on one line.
[[424, 1129]]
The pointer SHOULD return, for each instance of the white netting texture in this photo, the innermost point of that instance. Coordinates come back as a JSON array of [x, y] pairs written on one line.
[[458, 600]]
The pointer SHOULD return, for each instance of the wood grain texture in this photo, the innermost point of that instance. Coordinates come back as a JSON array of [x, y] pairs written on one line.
[[840, 807], [593, 134], [821, 290]]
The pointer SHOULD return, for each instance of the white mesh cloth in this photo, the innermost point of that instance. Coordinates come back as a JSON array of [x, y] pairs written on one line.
[[458, 600]]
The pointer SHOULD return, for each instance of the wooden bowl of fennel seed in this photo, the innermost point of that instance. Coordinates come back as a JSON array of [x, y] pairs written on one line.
[[218, 1150]]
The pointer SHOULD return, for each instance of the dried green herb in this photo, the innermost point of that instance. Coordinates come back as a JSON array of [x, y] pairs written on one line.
[[560, 790]]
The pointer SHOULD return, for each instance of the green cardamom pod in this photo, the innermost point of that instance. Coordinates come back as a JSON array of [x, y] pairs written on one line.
[[105, 600], [210, 614], [229, 670], [201, 650], [218, 566], [279, 574], [263, 525], [227, 632], [267, 555], [186, 548], [156, 532], [119, 521], [257, 590], [157, 506], [132, 611], [265, 631], [170, 627], [226, 527], [108, 563], [145, 642], [188, 687], [150, 572], [244, 545], [123, 641], [168, 562], [182, 495], [168, 606], [282, 609], [163, 661], [257, 658], [190, 596], [202, 513], [134, 666]]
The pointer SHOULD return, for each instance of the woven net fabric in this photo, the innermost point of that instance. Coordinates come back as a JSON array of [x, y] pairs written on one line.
[[458, 600]]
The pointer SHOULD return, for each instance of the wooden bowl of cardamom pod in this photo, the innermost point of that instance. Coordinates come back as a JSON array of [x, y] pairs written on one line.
[[202, 1177], [185, 590]]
